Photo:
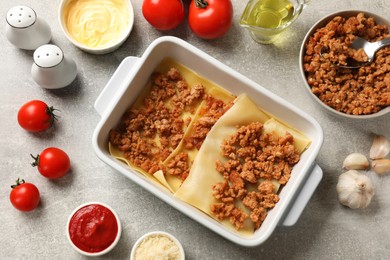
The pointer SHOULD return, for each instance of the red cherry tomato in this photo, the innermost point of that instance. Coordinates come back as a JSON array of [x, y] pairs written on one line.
[[163, 14], [210, 19], [24, 196], [36, 116], [53, 163]]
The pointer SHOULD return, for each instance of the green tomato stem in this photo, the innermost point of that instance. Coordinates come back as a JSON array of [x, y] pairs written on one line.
[[36, 160], [18, 182], [201, 3], [50, 112]]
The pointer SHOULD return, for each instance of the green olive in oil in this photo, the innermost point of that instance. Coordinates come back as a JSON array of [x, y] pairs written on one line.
[[269, 13]]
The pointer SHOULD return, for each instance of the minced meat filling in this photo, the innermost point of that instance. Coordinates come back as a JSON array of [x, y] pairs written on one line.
[[351, 91], [150, 133], [253, 159], [160, 116], [210, 113]]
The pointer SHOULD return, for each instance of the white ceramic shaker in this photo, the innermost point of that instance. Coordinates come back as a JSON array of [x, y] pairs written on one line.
[[25, 30], [51, 69]]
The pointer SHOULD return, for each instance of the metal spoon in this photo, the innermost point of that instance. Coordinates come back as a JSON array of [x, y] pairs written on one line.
[[370, 48]]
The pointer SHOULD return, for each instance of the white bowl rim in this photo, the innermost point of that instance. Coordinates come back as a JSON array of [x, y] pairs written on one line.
[[142, 238], [113, 244], [98, 50], [309, 33]]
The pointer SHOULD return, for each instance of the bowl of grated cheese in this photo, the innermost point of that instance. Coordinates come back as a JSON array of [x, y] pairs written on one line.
[[157, 245]]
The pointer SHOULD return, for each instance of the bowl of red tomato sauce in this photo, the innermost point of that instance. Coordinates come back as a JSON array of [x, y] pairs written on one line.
[[93, 229]]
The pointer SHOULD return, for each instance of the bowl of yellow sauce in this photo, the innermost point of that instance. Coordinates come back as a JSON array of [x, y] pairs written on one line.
[[96, 26]]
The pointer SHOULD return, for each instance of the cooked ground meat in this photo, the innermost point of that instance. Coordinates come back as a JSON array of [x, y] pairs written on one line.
[[224, 210], [258, 216], [223, 192], [209, 114], [352, 91], [255, 155], [151, 132], [252, 157], [179, 166]]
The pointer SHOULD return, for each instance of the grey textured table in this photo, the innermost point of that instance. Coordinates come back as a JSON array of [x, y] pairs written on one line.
[[326, 230]]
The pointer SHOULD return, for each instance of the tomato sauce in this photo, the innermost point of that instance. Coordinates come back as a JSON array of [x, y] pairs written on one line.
[[93, 228]]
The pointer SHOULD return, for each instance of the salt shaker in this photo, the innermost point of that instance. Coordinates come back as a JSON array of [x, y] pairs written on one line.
[[51, 69], [25, 30]]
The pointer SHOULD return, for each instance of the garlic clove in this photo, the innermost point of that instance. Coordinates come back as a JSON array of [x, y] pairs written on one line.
[[354, 189], [381, 166], [356, 161], [380, 147]]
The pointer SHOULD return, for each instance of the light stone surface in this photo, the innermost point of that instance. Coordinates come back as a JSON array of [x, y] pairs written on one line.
[[326, 230]]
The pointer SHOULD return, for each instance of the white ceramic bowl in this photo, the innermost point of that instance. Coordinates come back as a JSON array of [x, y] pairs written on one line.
[[97, 50], [110, 247], [157, 234], [131, 77], [321, 23]]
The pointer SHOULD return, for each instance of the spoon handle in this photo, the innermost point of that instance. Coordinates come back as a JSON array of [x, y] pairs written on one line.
[[383, 43]]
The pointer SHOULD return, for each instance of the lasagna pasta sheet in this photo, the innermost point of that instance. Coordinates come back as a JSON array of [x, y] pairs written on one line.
[[157, 178], [194, 114], [300, 141], [197, 188], [217, 93]]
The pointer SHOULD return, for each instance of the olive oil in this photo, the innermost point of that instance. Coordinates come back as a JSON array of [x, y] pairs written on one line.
[[270, 13]]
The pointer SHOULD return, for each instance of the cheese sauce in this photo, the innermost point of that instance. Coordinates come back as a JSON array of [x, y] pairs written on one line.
[[97, 23]]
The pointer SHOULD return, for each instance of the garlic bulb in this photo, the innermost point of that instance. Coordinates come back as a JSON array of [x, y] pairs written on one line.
[[356, 161], [380, 147], [355, 189], [381, 166]]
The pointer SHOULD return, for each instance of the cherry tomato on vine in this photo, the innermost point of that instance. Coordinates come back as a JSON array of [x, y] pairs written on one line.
[[53, 163], [36, 116], [24, 196], [163, 14], [210, 19]]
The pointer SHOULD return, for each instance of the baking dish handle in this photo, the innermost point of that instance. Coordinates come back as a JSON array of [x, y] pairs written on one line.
[[303, 197], [114, 84]]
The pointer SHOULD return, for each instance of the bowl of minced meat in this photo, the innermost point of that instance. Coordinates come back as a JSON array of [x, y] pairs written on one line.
[[349, 93]]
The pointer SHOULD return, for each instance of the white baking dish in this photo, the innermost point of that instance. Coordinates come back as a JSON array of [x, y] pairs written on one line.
[[133, 74]]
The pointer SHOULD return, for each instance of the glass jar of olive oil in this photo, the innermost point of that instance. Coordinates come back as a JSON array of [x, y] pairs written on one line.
[[266, 19]]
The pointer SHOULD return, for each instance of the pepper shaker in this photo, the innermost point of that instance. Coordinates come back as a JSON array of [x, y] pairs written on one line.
[[51, 69], [25, 29]]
